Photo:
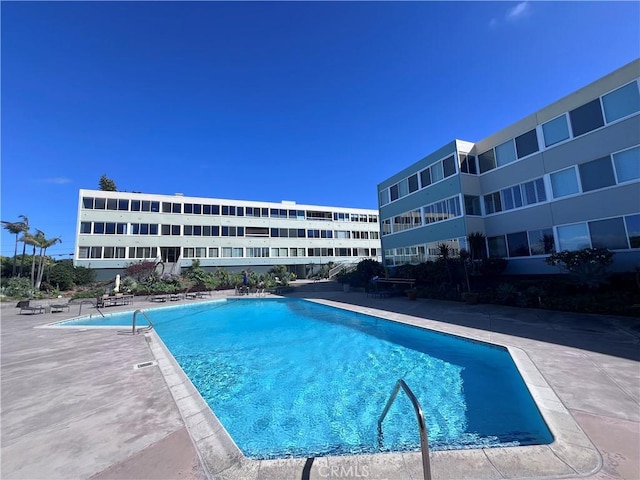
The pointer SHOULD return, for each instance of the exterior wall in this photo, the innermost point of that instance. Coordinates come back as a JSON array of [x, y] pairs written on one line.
[[498, 186], [302, 252]]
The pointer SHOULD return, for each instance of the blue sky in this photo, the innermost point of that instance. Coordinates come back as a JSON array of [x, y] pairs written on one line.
[[315, 102]]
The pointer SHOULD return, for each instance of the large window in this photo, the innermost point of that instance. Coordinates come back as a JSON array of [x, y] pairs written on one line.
[[627, 164], [406, 221], [497, 246], [621, 102], [487, 161], [596, 174], [608, 233], [541, 242], [518, 244], [505, 153], [468, 163], [633, 230], [573, 237], [472, 205], [492, 203], [555, 131], [586, 118], [527, 143], [564, 182]]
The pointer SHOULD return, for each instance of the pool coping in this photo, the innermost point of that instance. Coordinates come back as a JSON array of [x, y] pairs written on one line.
[[570, 454]]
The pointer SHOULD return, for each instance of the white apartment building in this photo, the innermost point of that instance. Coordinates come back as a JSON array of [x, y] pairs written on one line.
[[116, 229]]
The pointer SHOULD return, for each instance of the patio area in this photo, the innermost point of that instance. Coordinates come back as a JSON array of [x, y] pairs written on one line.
[[74, 405]]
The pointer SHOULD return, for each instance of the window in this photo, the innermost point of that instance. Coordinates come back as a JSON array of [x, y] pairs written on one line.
[[437, 172], [555, 131], [527, 143], [175, 229], [189, 252], [110, 228], [403, 188], [449, 165], [633, 230], [497, 246], [176, 208], [188, 230], [518, 244], [258, 252], [596, 174], [121, 228], [257, 232], [492, 203], [201, 252], [472, 205], [468, 163], [534, 192], [386, 226], [564, 182], [541, 241], [413, 183], [123, 204], [487, 161], [83, 252], [384, 196], [505, 153], [98, 228], [425, 177], [621, 102], [511, 197], [87, 202], [85, 227], [188, 208], [135, 205], [393, 191], [99, 204], [166, 207], [96, 252], [112, 204], [573, 237], [608, 233], [627, 164], [214, 252], [586, 118]]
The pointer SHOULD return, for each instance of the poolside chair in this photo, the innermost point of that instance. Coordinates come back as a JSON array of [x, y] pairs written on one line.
[[59, 307], [25, 307]]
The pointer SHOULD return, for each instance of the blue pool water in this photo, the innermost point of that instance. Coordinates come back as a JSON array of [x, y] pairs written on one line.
[[292, 378]]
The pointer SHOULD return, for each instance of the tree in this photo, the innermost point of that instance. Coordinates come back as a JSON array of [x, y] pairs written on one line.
[[34, 241], [44, 244], [25, 229], [106, 184], [16, 229]]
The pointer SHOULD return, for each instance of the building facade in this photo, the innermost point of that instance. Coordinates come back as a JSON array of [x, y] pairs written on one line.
[[116, 229], [564, 178]]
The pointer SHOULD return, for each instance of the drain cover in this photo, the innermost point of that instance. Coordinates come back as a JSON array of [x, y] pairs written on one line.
[[138, 366]]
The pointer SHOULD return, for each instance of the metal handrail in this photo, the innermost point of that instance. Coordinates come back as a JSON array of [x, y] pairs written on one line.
[[133, 327], [88, 302], [424, 440]]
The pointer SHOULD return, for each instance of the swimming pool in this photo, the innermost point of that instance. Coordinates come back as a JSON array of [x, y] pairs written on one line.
[[292, 378]]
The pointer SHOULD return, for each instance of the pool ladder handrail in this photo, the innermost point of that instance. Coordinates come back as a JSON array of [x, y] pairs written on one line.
[[141, 329], [88, 302], [424, 440]]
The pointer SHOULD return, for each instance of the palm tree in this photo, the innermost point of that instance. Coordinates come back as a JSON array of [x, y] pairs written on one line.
[[14, 228], [44, 244], [25, 229], [34, 241]]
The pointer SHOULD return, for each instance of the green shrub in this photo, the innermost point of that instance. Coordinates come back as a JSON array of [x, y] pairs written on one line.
[[18, 287], [586, 267]]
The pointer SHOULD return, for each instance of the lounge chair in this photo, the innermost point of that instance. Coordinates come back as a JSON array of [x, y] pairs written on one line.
[[24, 307], [158, 298], [59, 307]]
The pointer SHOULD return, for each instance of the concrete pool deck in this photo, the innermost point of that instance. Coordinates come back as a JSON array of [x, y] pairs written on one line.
[[74, 406]]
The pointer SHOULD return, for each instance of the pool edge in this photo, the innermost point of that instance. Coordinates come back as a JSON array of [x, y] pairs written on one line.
[[570, 454]]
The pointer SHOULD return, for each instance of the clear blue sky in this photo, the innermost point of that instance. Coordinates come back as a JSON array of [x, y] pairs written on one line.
[[315, 102]]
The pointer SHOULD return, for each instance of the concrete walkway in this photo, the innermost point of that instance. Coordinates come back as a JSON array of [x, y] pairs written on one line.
[[74, 406]]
